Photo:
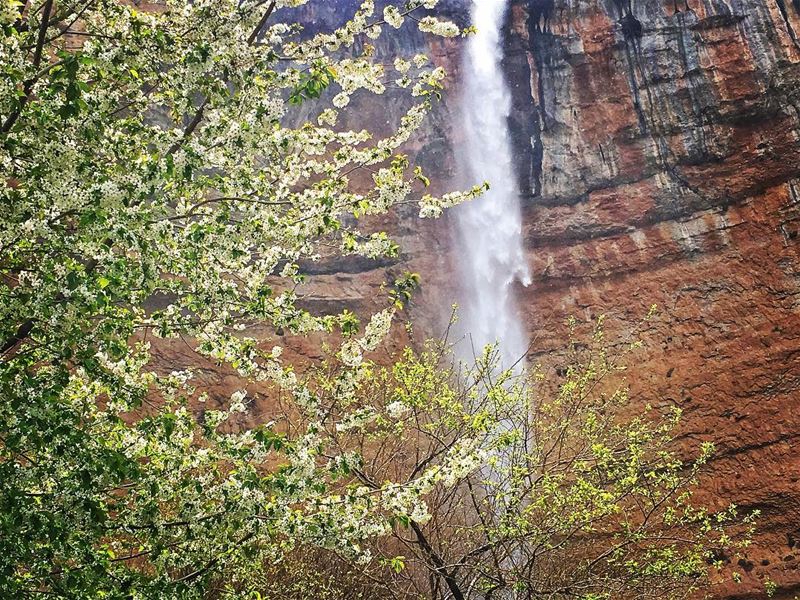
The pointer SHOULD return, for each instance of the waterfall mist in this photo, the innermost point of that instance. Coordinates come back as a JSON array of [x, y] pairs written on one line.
[[489, 229]]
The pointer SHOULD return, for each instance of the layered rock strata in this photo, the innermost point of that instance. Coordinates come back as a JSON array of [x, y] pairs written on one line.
[[659, 148]]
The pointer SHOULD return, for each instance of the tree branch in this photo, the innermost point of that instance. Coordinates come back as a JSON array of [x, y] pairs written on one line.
[[27, 87], [438, 563]]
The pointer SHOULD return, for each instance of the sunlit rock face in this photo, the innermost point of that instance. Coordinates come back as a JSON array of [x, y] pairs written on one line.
[[657, 148]]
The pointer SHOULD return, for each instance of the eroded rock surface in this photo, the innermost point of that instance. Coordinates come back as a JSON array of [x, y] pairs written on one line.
[[658, 150]]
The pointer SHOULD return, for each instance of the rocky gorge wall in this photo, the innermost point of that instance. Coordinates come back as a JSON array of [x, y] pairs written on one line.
[[658, 148]]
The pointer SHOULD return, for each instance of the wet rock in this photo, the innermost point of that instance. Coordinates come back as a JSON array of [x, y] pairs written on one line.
[[540, 12], [631, 27]]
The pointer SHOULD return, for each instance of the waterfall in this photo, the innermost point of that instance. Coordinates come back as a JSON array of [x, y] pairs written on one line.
[[489, 229]]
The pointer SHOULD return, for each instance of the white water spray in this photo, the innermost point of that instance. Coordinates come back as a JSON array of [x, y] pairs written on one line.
[[490, 228]]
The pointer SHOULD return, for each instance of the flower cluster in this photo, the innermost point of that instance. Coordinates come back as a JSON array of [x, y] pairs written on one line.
[[439, 27], [162, 178]]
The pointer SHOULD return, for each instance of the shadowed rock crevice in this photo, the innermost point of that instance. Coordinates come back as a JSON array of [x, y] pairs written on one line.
[[540, 11], [789, 27]]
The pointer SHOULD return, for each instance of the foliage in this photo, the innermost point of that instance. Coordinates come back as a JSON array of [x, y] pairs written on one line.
[[562, 486], [152, 188]]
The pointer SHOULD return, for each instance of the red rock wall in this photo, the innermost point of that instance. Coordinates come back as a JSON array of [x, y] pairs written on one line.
[[660, 155], [658, 151]]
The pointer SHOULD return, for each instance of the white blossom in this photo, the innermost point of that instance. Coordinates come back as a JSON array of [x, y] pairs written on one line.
[[392, 15], [440, 27], [397, 409], [341, 100]]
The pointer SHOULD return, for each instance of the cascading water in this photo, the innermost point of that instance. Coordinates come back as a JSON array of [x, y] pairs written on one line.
[[490, 228]]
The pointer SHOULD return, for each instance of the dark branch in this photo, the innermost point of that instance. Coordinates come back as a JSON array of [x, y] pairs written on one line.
[[27, 87]]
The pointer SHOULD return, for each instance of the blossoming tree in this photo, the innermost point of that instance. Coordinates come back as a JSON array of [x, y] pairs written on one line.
[[145, 153], [559, 487]]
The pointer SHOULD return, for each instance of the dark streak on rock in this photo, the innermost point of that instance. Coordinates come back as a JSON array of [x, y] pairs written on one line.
[[347, 264], [540, 12], [631, 27], [719, 21], [789, 28]]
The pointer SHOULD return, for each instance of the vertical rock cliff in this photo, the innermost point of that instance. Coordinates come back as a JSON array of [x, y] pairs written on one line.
[[658, 145]]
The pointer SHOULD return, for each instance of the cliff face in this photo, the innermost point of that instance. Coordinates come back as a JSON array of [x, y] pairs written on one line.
[[658, 148]]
